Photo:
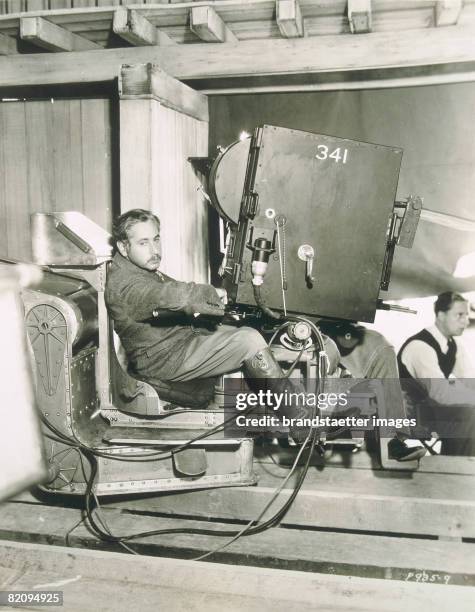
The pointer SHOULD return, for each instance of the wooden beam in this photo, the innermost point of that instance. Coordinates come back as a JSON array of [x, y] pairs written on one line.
[[289, 18], [8, 45], [277, 57], [49, 36], [133, 27], [359, 16], [148, 81], [208, 25], [164, 40], [343, 81], [447, 12]]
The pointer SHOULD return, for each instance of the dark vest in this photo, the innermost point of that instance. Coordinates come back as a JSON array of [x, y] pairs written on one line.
[[415, 391], [446, 360]]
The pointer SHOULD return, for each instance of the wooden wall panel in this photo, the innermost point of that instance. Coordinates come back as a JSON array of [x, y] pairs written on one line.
[[135, 154], [155, 144], [58, 123], [16, 6], [96, 156], [55, 155], [38, 165], [37, 5], [76, 173], [59, 4], [16, 182], [177, 201], [83, 3]]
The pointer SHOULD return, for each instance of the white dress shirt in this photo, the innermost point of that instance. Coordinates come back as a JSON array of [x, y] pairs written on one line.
[[421, 362]]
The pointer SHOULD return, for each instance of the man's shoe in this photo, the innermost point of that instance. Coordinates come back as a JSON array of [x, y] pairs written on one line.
[[400, 452]]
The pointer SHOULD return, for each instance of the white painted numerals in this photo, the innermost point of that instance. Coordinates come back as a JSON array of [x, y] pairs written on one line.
[[338, 155]]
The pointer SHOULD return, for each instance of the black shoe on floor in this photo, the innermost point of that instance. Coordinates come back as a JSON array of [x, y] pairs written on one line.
[[398, 450]]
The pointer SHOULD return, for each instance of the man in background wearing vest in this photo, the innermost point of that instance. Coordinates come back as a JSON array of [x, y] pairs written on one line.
[[432, 362]]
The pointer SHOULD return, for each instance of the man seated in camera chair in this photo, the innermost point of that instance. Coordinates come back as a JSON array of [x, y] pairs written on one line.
[[170, 330]]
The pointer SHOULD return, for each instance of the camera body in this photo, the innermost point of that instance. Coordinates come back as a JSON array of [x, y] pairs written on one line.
[[309, 218]]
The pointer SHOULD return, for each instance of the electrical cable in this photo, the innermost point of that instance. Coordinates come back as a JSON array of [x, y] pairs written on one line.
[[99, 514], [262, 304], [107, 535], [69, 532], [295, 362], [250, 529], [103, 531], [107, 528], [263, 511]]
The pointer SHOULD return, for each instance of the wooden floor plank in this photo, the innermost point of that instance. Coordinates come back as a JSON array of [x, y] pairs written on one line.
[[380, 482], [433, 464], [363, 500], [347, 511], [349, 499], [115, 582], [340, 553]]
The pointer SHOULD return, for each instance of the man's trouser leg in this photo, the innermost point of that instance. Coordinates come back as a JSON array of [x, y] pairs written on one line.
[[392, 406], [219, 352], [262, 368]]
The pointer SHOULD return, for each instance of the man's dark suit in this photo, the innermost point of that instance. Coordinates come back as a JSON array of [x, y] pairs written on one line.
[[152, 314], [137, 299]]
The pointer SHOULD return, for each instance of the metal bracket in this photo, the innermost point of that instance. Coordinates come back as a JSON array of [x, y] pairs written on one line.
[[389, 255], [410, 221], [250, 198], [402, 230]]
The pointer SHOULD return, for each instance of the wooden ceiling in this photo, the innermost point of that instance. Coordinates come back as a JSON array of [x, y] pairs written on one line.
[[237, 46], [32, 26]]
